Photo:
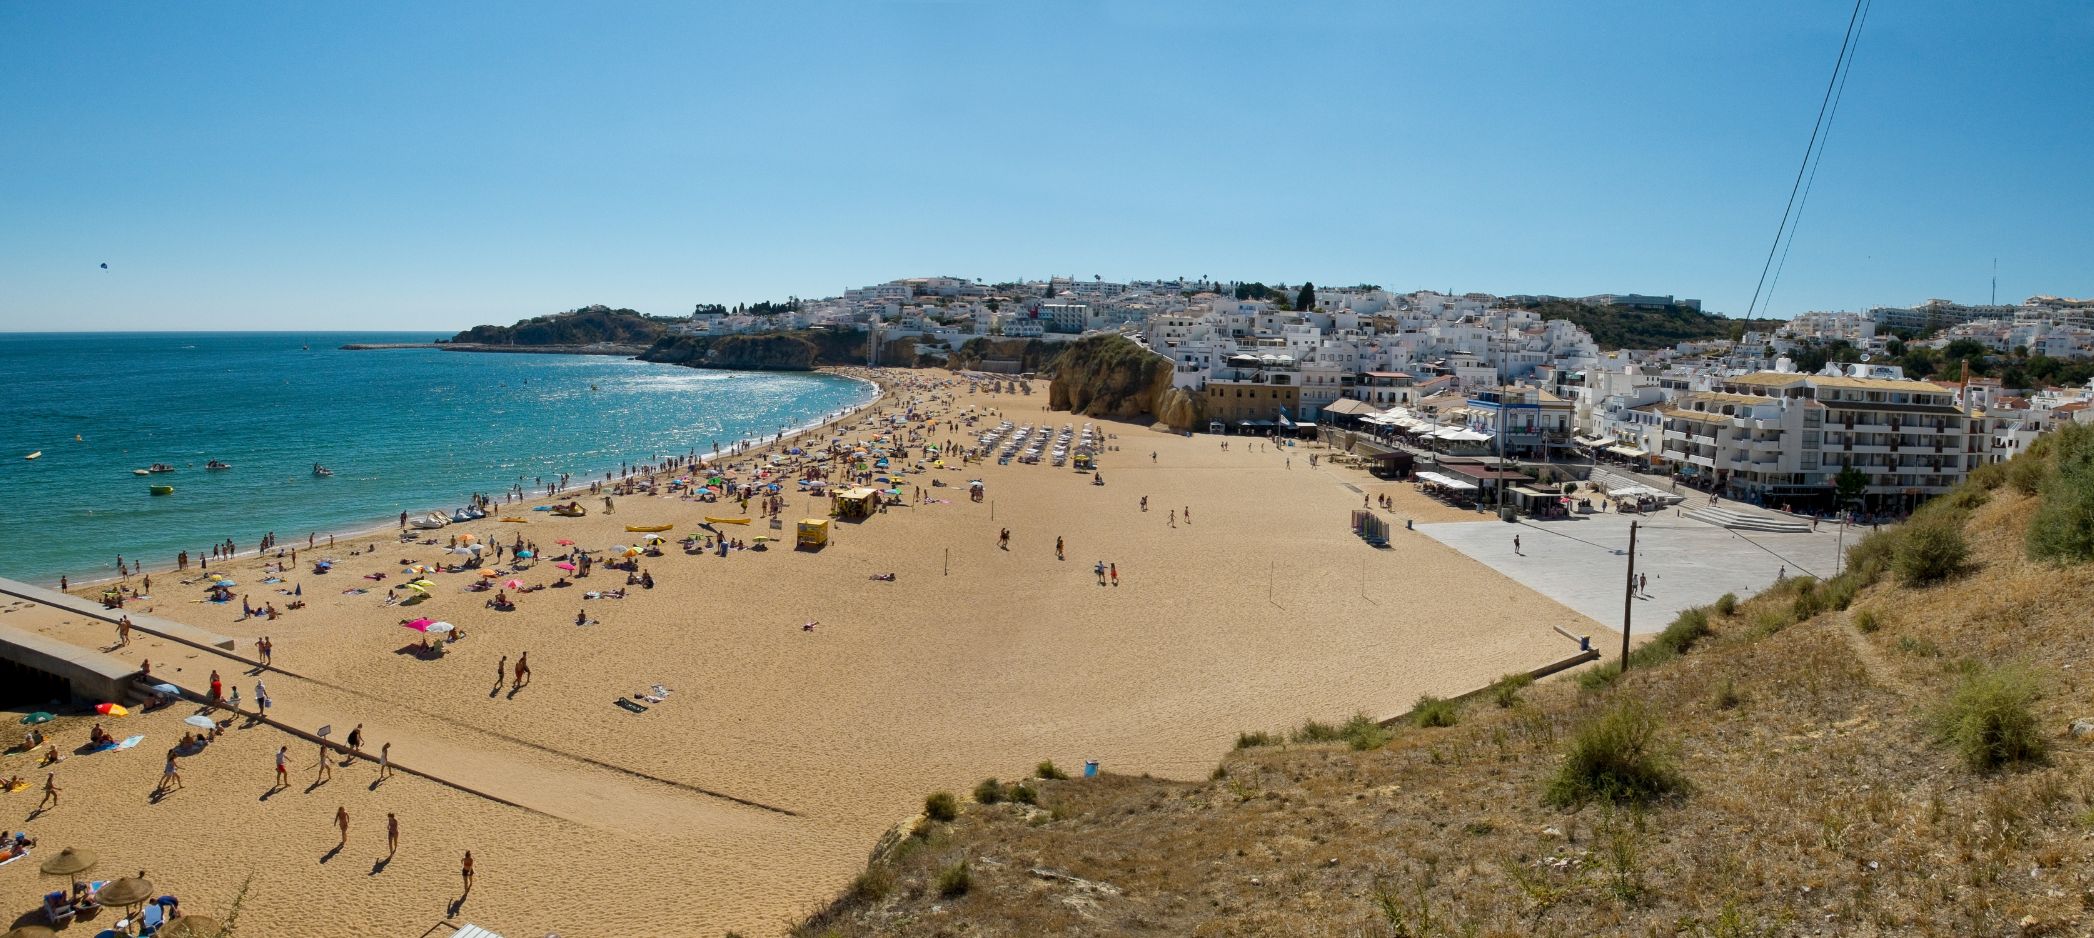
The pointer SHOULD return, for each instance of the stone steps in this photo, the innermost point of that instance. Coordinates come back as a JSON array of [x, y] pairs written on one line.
[[1741, 521]]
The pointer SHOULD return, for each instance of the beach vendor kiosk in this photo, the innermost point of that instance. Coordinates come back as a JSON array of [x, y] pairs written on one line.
[[854, 503], [814, 533]]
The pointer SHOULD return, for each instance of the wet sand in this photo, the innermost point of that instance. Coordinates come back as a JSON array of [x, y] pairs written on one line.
[[753, 792]]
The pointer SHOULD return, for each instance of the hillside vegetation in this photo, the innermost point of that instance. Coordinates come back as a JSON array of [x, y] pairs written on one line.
[[1615, 327], [1891, 752], [586, 326]]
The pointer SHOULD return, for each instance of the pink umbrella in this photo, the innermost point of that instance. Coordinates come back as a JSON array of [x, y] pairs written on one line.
[[564, 565], [514, 584], [565, 542], [419, 625]]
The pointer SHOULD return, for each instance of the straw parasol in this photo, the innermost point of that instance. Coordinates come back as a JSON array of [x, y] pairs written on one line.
[[193, 926], [131, 890], [31, 931], [69, 861]]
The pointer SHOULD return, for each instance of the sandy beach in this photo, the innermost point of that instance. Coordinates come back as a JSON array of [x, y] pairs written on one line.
[[753, 791]]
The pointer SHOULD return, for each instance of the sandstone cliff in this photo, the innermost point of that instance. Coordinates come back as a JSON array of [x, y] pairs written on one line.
[[1109, 376]]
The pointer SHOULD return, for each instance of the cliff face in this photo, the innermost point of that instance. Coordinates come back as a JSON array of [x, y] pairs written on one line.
[[1109, 376], [586, 326], [1030, 354], [776, 351]]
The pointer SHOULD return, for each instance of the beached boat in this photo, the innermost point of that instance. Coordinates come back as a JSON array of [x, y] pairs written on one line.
[[515, 520], [648, 528], [161, 489], [430, 521], [569, 511], [39, 454], [711, 520]]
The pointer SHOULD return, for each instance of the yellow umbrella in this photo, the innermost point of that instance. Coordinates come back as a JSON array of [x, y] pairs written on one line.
[[417, 587], [425, 584], [632, 552], [467, 538], [490, 574]]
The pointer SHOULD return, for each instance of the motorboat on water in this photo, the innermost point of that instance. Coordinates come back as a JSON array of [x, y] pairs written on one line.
[[161, 489], [39, 454], [159, 467], [141, 472], [320, 470], [215, 464]]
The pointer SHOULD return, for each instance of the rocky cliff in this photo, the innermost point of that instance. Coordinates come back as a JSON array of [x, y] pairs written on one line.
[[589, 325], [1109, 376], [776, 351]]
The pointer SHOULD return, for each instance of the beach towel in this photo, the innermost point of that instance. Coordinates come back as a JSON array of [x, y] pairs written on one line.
[[131, 741], [15, 857], [629, 705]]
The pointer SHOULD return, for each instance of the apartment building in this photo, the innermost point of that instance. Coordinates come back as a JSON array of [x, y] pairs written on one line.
[[1781, 438]]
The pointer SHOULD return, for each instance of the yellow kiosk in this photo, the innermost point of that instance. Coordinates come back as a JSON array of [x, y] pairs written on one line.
[[814, 533], [855, 503]]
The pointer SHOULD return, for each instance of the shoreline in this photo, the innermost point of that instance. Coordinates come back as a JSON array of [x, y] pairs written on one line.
[[89, 587], [600, 348]]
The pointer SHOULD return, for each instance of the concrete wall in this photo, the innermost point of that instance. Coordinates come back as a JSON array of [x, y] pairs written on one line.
[[153, 625], [87, 674]]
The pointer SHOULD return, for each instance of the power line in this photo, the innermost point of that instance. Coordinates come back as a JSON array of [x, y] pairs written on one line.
[[1839, 66], [1820, 161]]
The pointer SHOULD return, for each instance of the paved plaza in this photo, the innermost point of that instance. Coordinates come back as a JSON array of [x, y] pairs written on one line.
[[1581, 562]]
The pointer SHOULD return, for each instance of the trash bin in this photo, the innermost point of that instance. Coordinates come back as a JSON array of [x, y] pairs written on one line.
[[1090, 768]]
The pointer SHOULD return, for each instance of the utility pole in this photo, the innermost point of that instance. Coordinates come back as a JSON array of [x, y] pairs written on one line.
[[1628, 600]]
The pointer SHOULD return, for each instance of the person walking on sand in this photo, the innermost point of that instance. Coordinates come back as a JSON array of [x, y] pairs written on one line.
[[1188, 514], [1058, 548], [341, 820], [523, 670], [501, 672], [1145, 503], [326, 766], [170, 779], [1003, 539], [1101, 572], [1115, 568], [261, 699], [123, 631], [392, 835], [51, 789], [356, 740], [283, 768], [385, 762], [466, 871], [217, 687]]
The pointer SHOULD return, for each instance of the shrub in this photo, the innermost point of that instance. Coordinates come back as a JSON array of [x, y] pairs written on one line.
[[1600, 676], [1251, 740], [1618, 757], [1769, 621], [1989, 476], [1047, 769], [2062, 530], [1506, 692], [1022, 793], [1726, 604], [1317, 731], [1434, 711], [1839, 592], [1362, 733], [954, 880], [1930, 551], [1727, 696], [990, 791], [1989, 722], [1866, 621], [872, 885], [2027, 473], [1870, 558], [941, 806], [1808, 601]]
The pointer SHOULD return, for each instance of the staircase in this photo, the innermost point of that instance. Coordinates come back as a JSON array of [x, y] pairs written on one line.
[[1742, 521]]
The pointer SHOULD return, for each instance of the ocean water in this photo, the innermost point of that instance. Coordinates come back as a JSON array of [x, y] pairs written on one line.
[[403, 430]]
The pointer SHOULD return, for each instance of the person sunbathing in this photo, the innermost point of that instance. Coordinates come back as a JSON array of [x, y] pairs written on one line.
[[99, 736]]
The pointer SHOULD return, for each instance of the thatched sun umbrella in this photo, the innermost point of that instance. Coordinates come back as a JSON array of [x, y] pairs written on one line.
[[69, 861], [32, 931], [127, 892], [193, 926]]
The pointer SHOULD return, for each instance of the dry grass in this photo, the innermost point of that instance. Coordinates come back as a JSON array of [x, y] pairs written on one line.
[[1819, 804]]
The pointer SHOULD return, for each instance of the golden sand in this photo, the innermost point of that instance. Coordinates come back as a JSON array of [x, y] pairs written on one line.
[[754, 791]]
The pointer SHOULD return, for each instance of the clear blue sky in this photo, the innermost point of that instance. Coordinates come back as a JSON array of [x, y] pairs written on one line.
[[407, 165]]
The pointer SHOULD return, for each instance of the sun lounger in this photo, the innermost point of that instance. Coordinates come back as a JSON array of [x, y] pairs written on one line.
[[57, 910], [629, 705]]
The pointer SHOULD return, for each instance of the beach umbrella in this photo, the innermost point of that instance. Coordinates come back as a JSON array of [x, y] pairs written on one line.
[[226, 583], [419, 625], [468, 538], [131, 890], [514, 584], [200, 722], [490, 574], [32, 931], [461, 550], [69, 861], [37, 717], [526, 554], [192, 926], [417, 587], [168, 689], [565, 566], [565, 542], [632, 552], [423, 583], [112, 709], [654, 538], [438, 628]]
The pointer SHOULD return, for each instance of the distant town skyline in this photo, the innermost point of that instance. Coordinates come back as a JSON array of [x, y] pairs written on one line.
[[395, 166]]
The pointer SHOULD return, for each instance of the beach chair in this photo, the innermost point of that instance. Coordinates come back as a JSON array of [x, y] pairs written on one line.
[[57, 909]]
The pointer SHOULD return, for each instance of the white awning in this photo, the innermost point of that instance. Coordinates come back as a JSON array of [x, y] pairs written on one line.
[[1448, 481], [1629, 451]]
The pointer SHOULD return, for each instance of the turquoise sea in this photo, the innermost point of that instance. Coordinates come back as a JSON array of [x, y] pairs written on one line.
[[403, 430]]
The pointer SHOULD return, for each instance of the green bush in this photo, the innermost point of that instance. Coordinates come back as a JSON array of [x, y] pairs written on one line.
[[1769, 621], [1317, 731], [1021, 793], [1253, 740], [1870, 558], [1839, 592], [1363, 733], [1048, 770], [954, 880], [1600, 676], [1990, 722], [2062, 530], [941, 806], [1617, 757], [1989, 476], [1434, 711], [2027, 473], [1726, 604], [1728, 696], [1506, 691], [990, 791], [872, 885], [1930, 551]]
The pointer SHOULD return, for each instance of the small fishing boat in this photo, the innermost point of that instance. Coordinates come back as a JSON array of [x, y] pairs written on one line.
[[320, 470], [215, 464], [161, 489], [39, 454], [141, 472], [712, 520], [159, 467], [648, 528]]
